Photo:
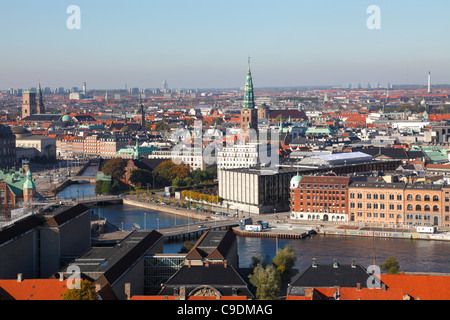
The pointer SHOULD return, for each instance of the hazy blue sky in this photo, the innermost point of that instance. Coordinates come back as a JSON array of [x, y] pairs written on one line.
[[205, 44]]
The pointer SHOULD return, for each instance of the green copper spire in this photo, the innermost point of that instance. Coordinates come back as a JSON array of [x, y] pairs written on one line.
[[249, 98], [137, 154]]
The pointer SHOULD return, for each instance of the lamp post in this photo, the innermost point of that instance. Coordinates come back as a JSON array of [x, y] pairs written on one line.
[[145, 220]]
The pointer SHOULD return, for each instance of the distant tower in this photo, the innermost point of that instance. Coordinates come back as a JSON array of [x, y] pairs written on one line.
[[325, 101], [29, 104], [40, 102], [141, 113], [249, 115], [263, 111], [84, 88], [429, 82], [164, 86], [29, 188]]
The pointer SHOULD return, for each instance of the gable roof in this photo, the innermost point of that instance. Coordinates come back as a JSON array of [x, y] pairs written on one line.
[[33, 289], [219, 277], [212, 245], [328, 276], [63, 214]]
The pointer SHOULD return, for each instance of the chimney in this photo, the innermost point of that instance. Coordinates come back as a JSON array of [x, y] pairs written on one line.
[[224, 263], [353, 263], [358, 286], [335, 263], [61, 277], [206, 264], [20, 277], [383, 287], [128, 290], [314, 264], [182, 293]]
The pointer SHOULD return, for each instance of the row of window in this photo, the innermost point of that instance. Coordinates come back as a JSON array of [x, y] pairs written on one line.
[[419, 198], [322, 192], [321, 204], [409, 197], [378, 215], [377, 206], [425, 208], [323, 198], [375, 196], [417, 217], [322, 186]]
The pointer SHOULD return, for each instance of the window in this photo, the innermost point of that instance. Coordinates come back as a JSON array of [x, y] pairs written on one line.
[[391, 197], [409, 197], [418, 208], [426, 198], [418, 197], [369, 196], [399, 197], [427, 208], [435, 198], [435, 208], [381, 196]]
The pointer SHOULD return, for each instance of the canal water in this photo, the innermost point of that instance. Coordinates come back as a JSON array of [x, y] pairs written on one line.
[[412, 255]]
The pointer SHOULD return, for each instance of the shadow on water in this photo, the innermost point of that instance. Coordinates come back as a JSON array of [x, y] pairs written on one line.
[[412, 255]]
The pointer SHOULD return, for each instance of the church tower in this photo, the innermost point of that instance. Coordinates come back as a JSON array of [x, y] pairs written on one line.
[[249, 114], [29, 104], [40, 102], [141, 113]]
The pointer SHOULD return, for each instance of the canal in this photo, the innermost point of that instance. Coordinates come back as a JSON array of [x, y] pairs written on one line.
[[412, 255]]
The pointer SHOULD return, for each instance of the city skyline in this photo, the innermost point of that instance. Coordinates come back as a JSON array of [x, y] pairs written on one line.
[[204, 45]]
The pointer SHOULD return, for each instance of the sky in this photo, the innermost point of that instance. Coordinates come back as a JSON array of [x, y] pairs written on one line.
[[206, 44]]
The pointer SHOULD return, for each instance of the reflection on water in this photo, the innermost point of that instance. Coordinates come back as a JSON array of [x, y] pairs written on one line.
[[412, 255], [75, 191], [134, 217], [90, 171]]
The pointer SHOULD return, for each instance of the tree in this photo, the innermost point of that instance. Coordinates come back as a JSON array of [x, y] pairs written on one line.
[[257, 260], [267, 282], [390, 266], [98, 186], [162, 126], [167, 171], [140, 177], [187, 246], [85, 292], [115, 188], [284, 261], [115, 168], [106, 187]]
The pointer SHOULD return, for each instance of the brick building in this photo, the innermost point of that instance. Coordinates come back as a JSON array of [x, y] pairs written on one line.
[[389, 204], [323, 198], [376, 202]]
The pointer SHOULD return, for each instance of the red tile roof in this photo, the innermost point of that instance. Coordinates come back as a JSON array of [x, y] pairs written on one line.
[[32, 289]]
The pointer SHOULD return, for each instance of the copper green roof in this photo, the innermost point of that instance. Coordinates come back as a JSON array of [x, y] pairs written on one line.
[[29, 183], [249, 98], [16, 181]]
